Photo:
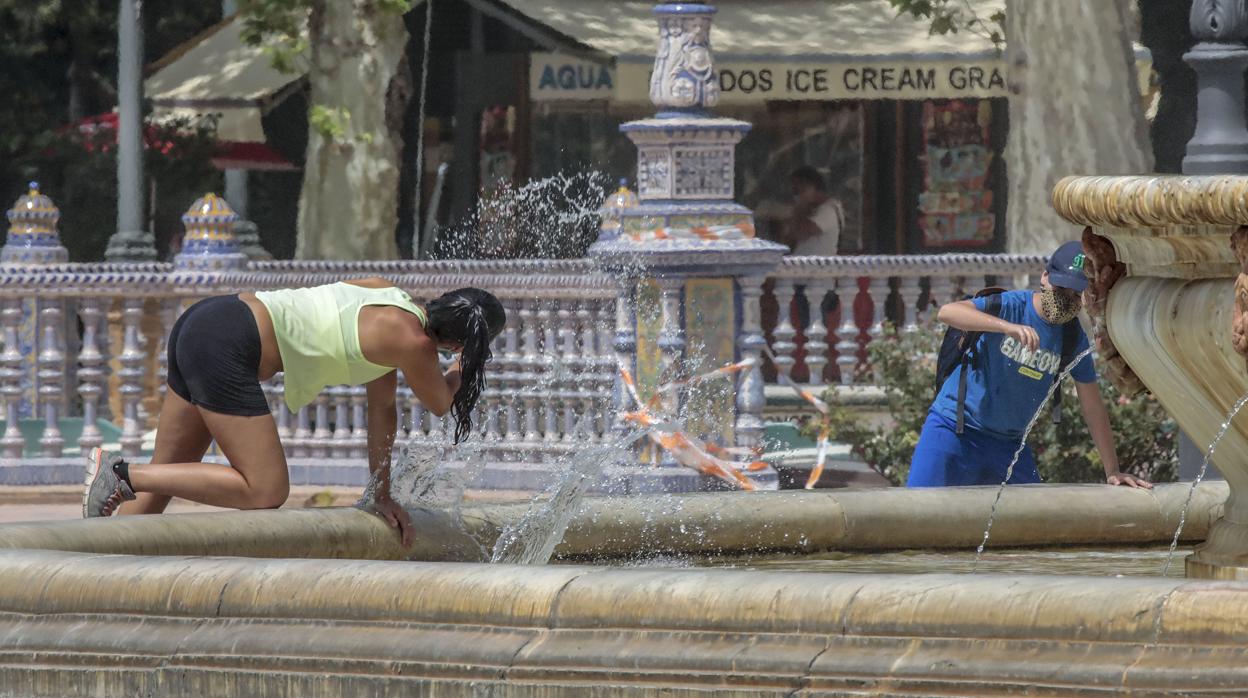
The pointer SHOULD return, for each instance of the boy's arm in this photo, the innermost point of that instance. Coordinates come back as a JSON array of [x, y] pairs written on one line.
[[965, 316], [1095, 414]]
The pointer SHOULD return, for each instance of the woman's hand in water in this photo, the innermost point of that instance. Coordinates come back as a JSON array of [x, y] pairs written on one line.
[[397, 517], [1128, 480], [1024, 335]]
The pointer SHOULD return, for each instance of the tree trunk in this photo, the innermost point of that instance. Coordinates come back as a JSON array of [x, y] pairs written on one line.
[[348, 208], [1074, 109]]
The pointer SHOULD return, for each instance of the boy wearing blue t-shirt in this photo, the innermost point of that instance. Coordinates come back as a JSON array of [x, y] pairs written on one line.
[[1017, 358]]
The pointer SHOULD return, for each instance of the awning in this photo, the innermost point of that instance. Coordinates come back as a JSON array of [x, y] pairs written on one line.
[[774, 50], [219, 73], [625, 29]]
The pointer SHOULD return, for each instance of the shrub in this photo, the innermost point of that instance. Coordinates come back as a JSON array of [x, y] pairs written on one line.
[[905, 367]]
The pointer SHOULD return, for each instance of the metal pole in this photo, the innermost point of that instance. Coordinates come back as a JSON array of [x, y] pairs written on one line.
[[130, 242]]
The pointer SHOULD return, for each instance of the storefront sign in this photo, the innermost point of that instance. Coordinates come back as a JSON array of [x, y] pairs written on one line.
[[756, 82], [556, 77]]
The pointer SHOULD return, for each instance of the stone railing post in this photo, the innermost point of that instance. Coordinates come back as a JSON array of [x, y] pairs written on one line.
[[784, 334], [817, 331], [508, 380], [751, 399], [847, 333], [51, 375], [132, 373], [12, 443], [910, 292], [90, 372], [624, 344]]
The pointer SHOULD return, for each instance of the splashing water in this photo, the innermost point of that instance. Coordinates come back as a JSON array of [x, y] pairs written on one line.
[[1022, 443], [552, 217], [532, 539], [1204, 466]]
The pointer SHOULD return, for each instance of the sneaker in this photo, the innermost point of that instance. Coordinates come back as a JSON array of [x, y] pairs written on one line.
[[101, 483]]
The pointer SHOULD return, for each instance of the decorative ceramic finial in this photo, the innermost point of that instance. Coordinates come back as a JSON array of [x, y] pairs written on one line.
[[611, 208], [209, 243], [33, 237]]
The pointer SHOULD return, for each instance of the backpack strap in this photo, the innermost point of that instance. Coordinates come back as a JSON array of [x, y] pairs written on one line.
[[992, 306], [1070, 340]]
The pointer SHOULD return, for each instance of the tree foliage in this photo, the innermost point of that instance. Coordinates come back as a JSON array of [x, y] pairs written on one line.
[[287, 29], [952, 16], [60, 66]]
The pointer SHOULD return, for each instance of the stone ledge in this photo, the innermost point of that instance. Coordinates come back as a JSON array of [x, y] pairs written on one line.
[[227, 627]]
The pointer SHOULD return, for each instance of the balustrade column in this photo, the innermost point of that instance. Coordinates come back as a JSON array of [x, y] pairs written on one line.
[[879, 291], [340, 439], [508, 382], [942, 287], [416, 414], [170, 309], [909, 291], [572, 367], [132, 360], [321, 434], [90, 373], [751, 399], [784, 333], [671, 345], [527, 376], [51, 373], [13, 443], [816, 347], [624, 345], [847, 333], [303, 433], [587, 380], [358, 439], [549, 380], [285, 431], [607, 382]]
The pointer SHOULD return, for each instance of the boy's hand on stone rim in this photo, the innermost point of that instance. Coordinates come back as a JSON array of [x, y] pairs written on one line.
[[1129, 480]]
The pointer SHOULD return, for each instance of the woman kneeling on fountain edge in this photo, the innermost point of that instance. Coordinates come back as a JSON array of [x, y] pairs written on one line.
[[1012, 364], [352, 332]]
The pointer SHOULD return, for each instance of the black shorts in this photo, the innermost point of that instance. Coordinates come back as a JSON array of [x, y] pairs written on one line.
[[214, 358]]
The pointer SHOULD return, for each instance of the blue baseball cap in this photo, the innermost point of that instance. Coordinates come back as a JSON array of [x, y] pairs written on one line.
[[1065, 267]]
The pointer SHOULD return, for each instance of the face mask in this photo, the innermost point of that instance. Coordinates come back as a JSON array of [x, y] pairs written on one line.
[[1059, 307]]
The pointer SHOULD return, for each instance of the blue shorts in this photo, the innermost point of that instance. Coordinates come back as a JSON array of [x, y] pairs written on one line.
[[943, 457]]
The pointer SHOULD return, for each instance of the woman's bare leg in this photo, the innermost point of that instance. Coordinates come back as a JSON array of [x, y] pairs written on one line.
[[181, 437], [257, 477]]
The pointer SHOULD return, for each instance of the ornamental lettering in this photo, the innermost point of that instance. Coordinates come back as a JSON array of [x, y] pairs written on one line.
[[1041, 360]]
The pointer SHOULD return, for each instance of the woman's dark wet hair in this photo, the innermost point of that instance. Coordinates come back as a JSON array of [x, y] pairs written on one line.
[[471, 318]]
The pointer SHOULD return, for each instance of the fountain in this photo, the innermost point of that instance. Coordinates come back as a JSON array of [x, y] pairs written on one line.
[[327, 602]]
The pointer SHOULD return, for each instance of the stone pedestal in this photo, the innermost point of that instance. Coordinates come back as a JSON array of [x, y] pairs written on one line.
[[687, 256]]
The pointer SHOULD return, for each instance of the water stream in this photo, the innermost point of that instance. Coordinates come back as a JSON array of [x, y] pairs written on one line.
[[1022, 443], [1204, 466]]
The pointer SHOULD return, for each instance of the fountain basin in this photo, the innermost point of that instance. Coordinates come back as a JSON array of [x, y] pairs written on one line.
[[1168, 284], [699, 524], [175, 616], [75, 623]]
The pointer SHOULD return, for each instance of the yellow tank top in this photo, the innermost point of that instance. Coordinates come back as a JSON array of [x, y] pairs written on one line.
[[318, 335]]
